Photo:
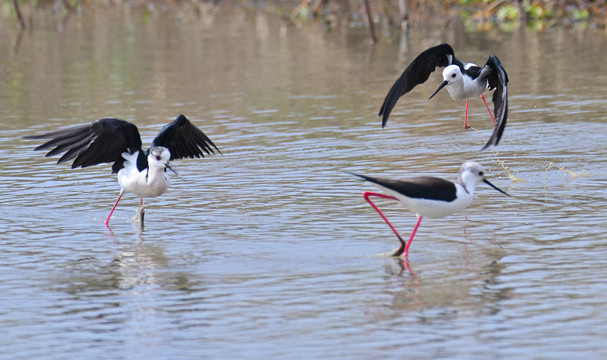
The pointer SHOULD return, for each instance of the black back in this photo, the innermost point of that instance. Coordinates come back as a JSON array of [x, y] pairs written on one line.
[[472, 71], [417, 73], [422, 187]]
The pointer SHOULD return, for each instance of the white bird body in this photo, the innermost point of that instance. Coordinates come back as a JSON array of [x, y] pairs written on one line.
[[116, 141], [463, 87], [435, 209], [147, 183], [462, 80], [429, 196], [462, 192]]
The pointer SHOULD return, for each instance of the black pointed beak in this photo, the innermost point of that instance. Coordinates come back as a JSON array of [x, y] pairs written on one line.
[[168, 166], [439, 88], [495, 187]]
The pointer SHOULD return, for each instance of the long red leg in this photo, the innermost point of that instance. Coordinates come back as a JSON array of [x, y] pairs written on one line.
[[487, 106], [366, 195], [113, 207], [466, 116], [402, 250], [419, 219]]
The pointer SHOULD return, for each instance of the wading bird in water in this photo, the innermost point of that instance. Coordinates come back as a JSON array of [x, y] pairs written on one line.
[[428, 196], [140, 172], [462, 81]]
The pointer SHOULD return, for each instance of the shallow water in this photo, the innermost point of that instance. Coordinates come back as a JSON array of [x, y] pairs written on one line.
[[269, 251]]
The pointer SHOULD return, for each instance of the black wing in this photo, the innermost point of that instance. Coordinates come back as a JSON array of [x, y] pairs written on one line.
[[184, 140], [416, 73], [101, 141], [423, 187], [497, 79]]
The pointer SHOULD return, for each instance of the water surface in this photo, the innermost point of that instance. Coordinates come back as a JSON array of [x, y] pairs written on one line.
[[269, 250]]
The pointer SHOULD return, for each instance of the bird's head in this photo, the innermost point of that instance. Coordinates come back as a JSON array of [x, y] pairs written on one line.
[[472, 173], [450, 74], [159, 156]]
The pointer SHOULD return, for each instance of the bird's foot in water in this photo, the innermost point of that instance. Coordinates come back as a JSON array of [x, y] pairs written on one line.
[[139, 215]]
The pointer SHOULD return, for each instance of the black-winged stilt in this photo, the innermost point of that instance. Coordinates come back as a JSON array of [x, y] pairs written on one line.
[[462, 80], [113, 140], [429, 196]]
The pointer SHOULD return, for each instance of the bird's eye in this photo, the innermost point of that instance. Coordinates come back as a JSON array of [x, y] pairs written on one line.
[[481, 173], [452, 75], [158, 158]]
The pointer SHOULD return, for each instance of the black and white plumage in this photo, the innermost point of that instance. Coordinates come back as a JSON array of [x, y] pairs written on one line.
[[429, 196], [116, 141], [462, 80]]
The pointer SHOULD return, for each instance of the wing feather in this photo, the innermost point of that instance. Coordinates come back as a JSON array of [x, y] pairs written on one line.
[[184, 140], [422, 187], [101, 141], [416, 73], [498, 80]]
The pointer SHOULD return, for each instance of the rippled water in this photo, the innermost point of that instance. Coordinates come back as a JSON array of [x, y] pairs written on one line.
[[269, 251]]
